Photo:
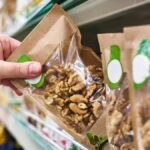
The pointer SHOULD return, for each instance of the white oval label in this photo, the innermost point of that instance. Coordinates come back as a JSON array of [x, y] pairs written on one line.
[[34, 80], [140, 68], [114, 71]]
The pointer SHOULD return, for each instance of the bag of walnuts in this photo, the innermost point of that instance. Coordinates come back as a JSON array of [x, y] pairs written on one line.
[[138, 60], [119, 126], [71, 87]]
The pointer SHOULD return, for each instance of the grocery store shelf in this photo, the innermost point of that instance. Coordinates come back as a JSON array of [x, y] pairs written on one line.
[[97, 10], [68, 4], [54, 146], [18, 133], [22, 24], [84, 13], [53, 128], [25, 133]]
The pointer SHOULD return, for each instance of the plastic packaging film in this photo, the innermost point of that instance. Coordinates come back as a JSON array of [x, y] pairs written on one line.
[[138, 58], [119, 123]]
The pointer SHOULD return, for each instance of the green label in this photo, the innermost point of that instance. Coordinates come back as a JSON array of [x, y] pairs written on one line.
[[35, 82], [114, 67], [141, 65]]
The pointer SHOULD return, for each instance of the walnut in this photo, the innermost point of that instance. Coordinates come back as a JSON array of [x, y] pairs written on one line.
[[78, 118], [73, 79], [71, 94], [146, 135], [49, 101], [64, 112], [116, 138], [52, 79], [86, 115], [92, 68], [115, 118], [59, 107], [60, 101], [77, 98], [91, 121], [74, 107], [90, 90], [125, 127], [82, 106], [144, 109], [115, 121], [50, 88], [121, 104], [67, 100], [127, 146], [50, 71], [119, 126], [59, 69], [78, 87], [97, 109], [57, 89], [47, 94]]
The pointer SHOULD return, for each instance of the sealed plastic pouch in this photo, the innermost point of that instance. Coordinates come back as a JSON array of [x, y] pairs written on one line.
[[118, 118], [138, 55]]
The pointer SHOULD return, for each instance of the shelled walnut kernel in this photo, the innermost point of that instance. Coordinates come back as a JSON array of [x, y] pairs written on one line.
[[72, 94]]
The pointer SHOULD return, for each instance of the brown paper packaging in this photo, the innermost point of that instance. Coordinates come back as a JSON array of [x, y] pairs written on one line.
[[55, 31], [117, 97]]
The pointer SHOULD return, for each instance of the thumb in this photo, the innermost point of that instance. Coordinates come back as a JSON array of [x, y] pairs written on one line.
[[19, 70]]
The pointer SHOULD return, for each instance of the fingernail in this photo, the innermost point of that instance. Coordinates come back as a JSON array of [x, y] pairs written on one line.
[[34, 68]]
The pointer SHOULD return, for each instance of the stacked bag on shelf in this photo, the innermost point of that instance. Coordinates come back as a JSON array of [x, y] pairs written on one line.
[[86, 97], [138, 62], [119, 127], [126, 67]]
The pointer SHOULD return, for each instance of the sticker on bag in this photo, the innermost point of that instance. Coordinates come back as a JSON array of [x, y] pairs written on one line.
[[35, 82], [114, 67], [141, 65]]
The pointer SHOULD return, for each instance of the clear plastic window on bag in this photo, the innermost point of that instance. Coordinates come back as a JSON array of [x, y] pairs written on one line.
[[138, 61], [74, 87], [119, 120]]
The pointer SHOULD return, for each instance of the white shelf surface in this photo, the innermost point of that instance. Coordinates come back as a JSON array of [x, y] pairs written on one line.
[[96, 10], [53, 127]]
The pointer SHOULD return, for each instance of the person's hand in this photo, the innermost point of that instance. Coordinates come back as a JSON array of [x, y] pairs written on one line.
[[15, 70], [10, 70]]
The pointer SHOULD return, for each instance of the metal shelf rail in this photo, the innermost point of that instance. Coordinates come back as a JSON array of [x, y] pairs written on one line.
[[97, 10]]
